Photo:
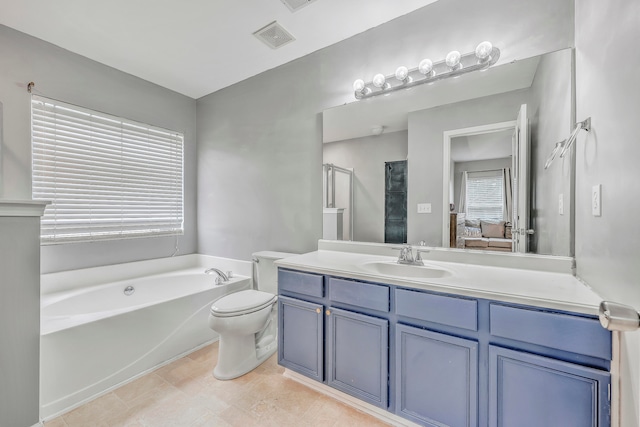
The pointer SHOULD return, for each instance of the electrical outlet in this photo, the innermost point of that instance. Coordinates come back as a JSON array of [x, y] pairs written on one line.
[[424, 207], [561, 204], [596, 200]]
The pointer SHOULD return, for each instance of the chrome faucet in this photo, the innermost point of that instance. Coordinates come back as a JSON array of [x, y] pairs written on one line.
[[406, 256], [220, 278]]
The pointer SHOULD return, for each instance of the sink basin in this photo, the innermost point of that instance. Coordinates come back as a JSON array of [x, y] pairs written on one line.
[[403, 270]]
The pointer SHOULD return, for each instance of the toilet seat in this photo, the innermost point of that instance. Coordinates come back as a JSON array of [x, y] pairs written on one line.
[[243, 302]]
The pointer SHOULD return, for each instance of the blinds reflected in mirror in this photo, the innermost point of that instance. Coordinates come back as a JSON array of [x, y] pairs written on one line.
[[485, 195]]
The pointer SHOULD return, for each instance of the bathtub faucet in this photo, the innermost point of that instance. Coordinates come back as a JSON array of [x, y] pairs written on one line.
[[220, 278]]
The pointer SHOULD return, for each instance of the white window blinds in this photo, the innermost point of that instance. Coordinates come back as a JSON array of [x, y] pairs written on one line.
[[106, 177], [485, 195]]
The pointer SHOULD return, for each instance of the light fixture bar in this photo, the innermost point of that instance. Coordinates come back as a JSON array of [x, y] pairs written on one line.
[[427, 72]]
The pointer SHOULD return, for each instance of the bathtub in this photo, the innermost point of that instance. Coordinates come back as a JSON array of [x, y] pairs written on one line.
[[95, 338]]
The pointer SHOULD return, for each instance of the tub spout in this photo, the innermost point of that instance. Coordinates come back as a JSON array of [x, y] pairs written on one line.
[[221, 276]]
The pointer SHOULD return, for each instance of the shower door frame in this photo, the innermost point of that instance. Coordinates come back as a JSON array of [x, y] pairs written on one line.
[[327, 167]]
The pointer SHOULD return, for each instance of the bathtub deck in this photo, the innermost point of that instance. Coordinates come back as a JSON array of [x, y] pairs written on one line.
[[185, 393]]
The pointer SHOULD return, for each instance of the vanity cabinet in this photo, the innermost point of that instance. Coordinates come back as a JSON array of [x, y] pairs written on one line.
[[357, 355], [323, 335], [301, 337], [527, 390], [436, 378], [442, 359]]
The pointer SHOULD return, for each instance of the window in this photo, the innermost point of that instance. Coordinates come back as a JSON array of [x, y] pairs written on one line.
[[485, 195], [106, 177]]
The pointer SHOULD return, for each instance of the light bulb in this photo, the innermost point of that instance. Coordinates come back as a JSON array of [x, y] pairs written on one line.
[[453, 59], [379, 80], [402, 73], [483, 51], [425, 66], [358, 85]]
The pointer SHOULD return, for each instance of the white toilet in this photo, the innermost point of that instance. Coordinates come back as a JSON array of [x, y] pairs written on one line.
[[247, 321]]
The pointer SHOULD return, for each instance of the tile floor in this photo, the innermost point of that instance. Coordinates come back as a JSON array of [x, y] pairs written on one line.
[[185, 393]]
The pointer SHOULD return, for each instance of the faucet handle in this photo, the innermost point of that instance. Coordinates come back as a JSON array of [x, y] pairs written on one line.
[[402, 256], [419, 253], [409, 253]]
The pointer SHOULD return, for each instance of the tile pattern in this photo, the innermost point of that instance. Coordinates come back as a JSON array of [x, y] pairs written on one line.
[[185, 393]]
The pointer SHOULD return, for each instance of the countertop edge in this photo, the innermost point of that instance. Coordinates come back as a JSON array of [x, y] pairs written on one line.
[[514, 298]]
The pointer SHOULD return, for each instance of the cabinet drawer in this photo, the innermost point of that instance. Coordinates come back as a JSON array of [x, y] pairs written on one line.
[[450, 311], [554, 330], [301, 283], [365, 295]]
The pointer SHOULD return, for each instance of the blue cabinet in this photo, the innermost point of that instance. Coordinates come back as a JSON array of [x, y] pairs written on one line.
[[301, 337], [527, 390], [436, 378], [357, 349], [442, 359]]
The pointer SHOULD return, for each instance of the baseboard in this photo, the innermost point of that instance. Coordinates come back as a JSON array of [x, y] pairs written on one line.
[[354, 402]]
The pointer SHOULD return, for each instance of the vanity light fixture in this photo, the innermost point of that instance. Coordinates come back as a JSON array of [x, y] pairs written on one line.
[[427, 71], [563, 147]]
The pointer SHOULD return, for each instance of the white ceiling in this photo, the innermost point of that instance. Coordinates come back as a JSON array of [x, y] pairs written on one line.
[[194, 47]]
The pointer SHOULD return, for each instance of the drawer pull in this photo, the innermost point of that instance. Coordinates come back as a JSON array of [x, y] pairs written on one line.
[[327, 312], [318, 310]]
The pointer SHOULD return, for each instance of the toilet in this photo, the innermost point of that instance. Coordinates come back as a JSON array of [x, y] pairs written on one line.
[[247, 320]]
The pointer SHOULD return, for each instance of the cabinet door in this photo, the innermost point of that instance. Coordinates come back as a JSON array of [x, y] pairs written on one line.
[[530, 390], [357, 351], [301, 337], [436, 378]]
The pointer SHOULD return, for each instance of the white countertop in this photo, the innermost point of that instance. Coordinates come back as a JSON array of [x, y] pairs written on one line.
[[14, 208], [560, 291]]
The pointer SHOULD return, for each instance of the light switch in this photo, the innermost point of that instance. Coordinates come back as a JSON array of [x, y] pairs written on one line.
[[561, 204], [596, 200], [424, 207]]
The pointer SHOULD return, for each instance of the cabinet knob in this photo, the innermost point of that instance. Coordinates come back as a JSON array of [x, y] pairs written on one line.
[[318, 310], [327, 312]]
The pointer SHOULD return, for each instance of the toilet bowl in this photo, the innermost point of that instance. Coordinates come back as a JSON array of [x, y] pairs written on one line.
[[247, 321]]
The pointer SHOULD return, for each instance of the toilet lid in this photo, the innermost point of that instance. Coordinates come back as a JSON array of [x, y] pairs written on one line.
[[242, 302]]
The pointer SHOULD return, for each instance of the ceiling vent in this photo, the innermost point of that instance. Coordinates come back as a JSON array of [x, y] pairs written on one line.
[[274, 36], [295, 5]]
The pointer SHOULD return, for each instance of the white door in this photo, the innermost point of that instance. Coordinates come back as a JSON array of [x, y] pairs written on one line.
[[520, 168]]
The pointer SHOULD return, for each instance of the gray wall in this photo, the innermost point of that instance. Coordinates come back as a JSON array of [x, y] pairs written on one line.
[[550, 119], [259, 141], [62, 75], [426, 128], [19, 321], [474, 166], [367, 156], [608, 90]]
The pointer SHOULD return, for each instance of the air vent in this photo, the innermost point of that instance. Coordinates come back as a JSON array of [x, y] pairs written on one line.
[[274, 36], [295, 5]]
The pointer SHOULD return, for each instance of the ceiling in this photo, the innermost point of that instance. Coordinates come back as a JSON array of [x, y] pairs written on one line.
[[194, 47], [486, 146]]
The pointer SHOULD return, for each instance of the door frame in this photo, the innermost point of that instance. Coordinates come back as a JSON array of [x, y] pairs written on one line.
[[446, 164]]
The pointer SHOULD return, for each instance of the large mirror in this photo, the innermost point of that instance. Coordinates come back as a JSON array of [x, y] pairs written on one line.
[[441, 164]]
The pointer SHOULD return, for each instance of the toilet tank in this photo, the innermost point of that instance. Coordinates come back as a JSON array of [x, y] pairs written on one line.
[[266, 272]]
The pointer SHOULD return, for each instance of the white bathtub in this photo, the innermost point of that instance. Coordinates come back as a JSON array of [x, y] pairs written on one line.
[[94, 338]]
